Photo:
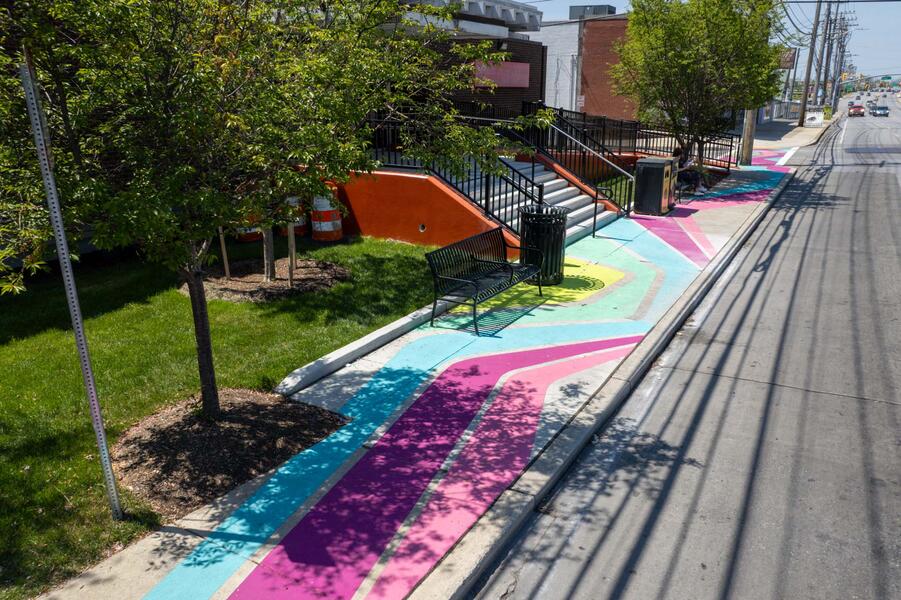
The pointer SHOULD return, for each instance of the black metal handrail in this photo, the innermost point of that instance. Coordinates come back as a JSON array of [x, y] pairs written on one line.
[[719, 150], [610, 181], [498, 190], [620, 136]]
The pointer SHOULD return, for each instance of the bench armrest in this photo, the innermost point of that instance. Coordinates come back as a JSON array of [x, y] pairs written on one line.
[[502, 263], [521, 248], [466, 281]]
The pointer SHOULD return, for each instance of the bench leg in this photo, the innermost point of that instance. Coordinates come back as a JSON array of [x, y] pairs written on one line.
[[540, 293], [434, 306], [475, 318]]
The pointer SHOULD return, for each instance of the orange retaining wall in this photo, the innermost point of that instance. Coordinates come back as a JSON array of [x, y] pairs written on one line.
[[410, 207]]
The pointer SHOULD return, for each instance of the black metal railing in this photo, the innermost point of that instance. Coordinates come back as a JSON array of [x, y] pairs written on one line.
[[624, 136], [493, 183], [597, 168], [719, 150], [601, 174]]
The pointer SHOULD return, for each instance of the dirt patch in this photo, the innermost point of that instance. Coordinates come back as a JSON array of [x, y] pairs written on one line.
[[247, 285], [177, 461]]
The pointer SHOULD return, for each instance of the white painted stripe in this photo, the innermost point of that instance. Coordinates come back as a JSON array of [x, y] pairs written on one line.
[[326, 225], [787, 156], [841, 140]]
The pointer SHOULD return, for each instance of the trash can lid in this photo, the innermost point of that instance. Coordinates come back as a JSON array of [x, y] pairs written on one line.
[[544, 209]]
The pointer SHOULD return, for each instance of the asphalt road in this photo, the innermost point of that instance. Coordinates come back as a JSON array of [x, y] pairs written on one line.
[[761, 456]]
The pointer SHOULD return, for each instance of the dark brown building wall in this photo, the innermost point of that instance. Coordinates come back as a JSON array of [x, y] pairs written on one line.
[[524, 51], [599, 38]]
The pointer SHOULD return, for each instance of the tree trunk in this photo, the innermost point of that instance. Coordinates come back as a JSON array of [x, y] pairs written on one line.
[[268, 254], [292, 254], [224, 251], [209, 393]]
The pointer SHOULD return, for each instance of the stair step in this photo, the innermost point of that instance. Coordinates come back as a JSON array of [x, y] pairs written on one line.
[[582, 214], [577, 202], [582, 229], [555, 184], [560, 195]]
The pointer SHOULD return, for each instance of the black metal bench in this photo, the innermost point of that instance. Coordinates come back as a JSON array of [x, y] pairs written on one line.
[[476, 269]]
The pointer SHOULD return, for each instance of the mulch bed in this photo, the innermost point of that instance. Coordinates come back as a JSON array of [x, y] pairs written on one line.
[[178, 461], [247, 284]]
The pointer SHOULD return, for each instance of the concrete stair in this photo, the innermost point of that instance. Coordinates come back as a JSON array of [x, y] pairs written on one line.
[[559, 192]]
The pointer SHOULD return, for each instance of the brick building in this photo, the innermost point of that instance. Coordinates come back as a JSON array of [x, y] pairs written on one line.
[[506, 23], [579, 55]]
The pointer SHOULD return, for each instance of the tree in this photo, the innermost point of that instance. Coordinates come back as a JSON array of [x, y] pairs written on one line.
[[56, 29], [196, 114], [687, 64]]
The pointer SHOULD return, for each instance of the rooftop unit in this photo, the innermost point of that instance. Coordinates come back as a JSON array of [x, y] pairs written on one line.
[[591, 10]]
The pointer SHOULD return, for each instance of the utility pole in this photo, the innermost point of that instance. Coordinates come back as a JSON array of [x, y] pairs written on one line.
[[821, 64], [791, 93], [830, 39], [813, 46], [840, 62]]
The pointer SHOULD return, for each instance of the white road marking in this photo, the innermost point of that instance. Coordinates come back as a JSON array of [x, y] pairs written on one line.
[[841, 141], [787, 156]]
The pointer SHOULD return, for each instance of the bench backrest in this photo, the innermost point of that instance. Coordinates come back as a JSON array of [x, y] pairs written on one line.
[[458, 259]]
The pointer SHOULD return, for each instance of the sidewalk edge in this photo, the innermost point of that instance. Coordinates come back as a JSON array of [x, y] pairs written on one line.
[[310, 373], [460, 569]]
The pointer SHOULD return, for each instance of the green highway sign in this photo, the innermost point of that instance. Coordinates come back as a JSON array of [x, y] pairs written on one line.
[[887, 78]]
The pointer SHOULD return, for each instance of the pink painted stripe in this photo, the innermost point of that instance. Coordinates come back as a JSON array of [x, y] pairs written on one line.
[[692, 228], [669, 231], [334, 546], [494, 457]]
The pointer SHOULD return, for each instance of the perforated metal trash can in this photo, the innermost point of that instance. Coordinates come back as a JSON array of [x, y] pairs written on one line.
[[544, 227]]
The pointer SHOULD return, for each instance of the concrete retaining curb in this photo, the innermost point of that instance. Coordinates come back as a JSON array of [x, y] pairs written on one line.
[[312, 372], [455, 575]]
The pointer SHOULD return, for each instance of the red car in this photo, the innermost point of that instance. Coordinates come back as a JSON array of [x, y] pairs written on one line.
[[857, 111]]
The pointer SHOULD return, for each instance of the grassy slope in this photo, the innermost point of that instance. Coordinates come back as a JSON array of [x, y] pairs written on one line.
[[54, 518]]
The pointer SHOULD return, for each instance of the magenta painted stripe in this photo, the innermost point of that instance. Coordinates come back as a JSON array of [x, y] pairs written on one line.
[[334, 546], [669, 231], [692, 228], [494, 457]]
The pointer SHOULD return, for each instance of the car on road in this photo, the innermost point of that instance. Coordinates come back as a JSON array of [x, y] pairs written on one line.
[[857, 111], [871, 104], [880, 111]]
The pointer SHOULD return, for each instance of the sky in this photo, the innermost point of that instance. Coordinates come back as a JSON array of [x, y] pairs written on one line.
[[876, 43]]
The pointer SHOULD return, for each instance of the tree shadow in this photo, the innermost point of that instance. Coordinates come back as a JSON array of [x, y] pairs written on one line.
[[106, 281]]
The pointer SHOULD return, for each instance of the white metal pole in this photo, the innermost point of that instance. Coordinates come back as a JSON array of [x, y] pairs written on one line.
[[62, 249]]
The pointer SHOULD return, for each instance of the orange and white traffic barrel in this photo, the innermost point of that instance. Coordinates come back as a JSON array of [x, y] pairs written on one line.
[[248, 234], [300, 220], [326, 220]]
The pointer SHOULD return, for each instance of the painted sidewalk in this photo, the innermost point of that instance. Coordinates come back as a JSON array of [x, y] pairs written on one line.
[[442, 421]]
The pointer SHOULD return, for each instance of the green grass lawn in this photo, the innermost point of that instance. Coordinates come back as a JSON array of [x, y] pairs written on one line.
[[54, 518]]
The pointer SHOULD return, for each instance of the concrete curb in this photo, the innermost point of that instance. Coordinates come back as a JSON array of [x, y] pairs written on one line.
[[835, 119], [455, 575], [312, 372]]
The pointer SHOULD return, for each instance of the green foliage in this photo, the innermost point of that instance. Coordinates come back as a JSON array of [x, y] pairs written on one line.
[[174, 117], [686, 64], [55, 519]]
